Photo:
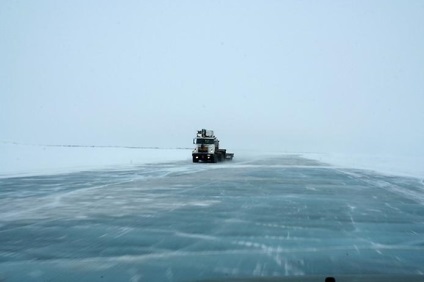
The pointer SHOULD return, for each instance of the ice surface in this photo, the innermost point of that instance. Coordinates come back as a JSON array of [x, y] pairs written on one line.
[[268, 217]]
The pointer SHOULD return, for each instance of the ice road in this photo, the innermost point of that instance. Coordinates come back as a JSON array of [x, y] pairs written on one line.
[[283, 216]]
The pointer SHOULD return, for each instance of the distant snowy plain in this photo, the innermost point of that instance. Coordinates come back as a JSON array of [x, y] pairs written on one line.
[[24, 160]]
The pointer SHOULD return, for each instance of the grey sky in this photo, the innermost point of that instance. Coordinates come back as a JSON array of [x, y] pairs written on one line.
[[342, 76]]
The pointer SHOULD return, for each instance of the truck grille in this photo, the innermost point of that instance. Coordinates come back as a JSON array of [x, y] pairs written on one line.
[[203, 149]]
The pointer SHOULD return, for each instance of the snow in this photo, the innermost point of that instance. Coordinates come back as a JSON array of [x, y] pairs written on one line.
[[410, 166], [25, 160]]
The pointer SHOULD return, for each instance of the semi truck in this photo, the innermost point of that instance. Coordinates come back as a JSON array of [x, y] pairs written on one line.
[[207, 148]]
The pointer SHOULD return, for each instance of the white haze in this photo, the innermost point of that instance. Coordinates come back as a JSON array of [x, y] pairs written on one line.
[[277, 76]]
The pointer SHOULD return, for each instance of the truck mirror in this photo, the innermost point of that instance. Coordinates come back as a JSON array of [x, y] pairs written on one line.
[[194, 140]]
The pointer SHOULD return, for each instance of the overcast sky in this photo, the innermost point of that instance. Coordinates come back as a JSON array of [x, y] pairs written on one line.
[[315, 76]]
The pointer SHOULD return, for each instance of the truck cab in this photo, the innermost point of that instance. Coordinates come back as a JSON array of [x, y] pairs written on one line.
[[207, 148]]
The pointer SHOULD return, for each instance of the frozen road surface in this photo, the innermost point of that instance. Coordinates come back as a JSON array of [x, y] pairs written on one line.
[[265, 219]]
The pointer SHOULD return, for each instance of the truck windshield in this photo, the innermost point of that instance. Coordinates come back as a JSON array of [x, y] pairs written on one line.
[[204, 141]]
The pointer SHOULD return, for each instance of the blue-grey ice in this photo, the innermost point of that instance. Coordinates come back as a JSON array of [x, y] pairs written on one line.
[[283, 216]]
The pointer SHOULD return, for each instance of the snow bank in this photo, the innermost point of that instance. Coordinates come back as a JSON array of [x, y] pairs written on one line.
[[20, 160], [393, 165]]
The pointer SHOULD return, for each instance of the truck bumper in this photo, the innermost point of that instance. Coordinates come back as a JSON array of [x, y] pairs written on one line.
[[203, 157]]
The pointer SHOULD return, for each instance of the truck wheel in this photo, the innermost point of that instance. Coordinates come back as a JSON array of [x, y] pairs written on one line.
[[213, 159]]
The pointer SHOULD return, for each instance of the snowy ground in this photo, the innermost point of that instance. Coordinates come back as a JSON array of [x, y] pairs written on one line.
[[24, 160], [254, 217], [410, 166]]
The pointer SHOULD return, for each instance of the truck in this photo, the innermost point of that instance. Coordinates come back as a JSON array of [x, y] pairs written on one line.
[[207, 148]]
